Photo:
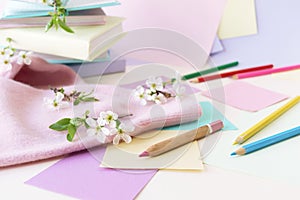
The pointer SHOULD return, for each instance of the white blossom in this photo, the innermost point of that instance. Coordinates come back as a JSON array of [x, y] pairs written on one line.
[[24, 57], [155, 84], [5, 64], [109, 118], [6, 52], [96, 128], [122, 134], [160, 99], [141, 95], [56, 103]]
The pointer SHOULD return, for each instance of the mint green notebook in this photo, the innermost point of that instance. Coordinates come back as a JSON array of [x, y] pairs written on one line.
[[33, 8]]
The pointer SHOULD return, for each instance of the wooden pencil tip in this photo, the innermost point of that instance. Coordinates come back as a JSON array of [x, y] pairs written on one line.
[[194, 81], [235, 77], [234, 143], [144, 154]]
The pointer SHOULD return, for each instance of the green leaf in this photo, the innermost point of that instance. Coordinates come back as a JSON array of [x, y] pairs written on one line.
[[9, 40], [64, 121], [71, 132], [118, 122], [89, 99], [49, 25], [77, 121], [60, 125], [76, 102], [64, 26], [55, 21]]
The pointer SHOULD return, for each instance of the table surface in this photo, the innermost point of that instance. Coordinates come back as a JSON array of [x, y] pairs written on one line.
[[212, 183]]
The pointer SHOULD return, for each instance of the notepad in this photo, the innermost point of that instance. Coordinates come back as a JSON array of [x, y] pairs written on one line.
[[126, 156], [245, 96]]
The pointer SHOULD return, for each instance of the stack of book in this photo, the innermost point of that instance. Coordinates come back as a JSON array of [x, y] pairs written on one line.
[[94, 34]]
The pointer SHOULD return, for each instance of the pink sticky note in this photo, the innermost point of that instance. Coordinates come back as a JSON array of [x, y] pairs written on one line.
[[197, 19], [245, 96], [80, 176]]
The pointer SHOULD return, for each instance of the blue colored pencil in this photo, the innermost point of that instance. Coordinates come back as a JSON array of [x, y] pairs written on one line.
[[263, 143]]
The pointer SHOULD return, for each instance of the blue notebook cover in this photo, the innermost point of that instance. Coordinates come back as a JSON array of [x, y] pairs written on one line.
[[31, 8], [98, 68]]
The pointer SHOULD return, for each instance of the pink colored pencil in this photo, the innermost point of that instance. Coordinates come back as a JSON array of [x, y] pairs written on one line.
[[265, 72]]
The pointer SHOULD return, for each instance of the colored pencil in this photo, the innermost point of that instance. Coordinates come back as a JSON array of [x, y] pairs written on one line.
[[208, 71], [182, 139], [265, 72], [263, 143], [266, 121], [229, 74]]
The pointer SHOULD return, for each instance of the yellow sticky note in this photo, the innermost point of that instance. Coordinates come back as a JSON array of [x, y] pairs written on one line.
[[239, 19], [288, 76], [126, 156]]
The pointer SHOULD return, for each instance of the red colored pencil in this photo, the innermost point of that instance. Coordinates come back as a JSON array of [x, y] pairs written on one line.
[[229, 74]]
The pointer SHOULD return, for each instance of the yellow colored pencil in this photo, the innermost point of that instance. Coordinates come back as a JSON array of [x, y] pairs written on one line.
[[266, 121]]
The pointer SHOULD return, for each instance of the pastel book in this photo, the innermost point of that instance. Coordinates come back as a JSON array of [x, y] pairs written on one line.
[[101, 65], [78, 20], [87, 43], [89, 69], [34, 8], [64, 60], [75, 18]]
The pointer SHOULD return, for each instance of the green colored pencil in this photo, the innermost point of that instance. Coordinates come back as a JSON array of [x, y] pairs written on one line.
[[208, 71]]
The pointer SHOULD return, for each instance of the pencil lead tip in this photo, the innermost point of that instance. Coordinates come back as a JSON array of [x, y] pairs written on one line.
[[233, 154], [144, 154]]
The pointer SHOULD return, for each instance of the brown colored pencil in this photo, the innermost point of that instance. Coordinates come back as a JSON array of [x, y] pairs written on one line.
[[184, 138]]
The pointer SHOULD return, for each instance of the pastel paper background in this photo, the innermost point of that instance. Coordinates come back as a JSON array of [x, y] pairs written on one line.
[[239, 19], [280, 162], [211, 114], [126, 156], [217, 46], [79, 176], [277, 41], [245, 96], [200, 20]]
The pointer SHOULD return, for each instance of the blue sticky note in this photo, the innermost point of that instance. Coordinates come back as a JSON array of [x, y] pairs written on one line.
[[209, 114]]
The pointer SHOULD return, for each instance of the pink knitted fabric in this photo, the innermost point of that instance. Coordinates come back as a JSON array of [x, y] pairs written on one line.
[[25, 136]]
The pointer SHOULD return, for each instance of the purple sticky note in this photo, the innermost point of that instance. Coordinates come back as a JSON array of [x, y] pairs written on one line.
[[217, 46], [80, 176], [245, 96]]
